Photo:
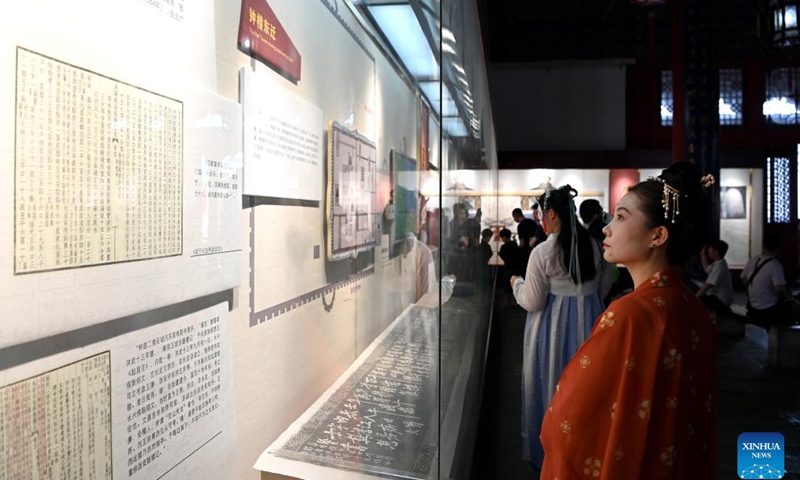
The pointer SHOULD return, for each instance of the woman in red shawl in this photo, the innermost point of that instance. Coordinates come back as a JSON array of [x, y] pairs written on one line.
[[638, 399]]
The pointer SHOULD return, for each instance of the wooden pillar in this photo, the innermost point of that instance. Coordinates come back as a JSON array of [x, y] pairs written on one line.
[[701, 90], [654, 80], [678, 80]]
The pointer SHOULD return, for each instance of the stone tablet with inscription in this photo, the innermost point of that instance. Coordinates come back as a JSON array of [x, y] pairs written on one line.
[[383, 419]]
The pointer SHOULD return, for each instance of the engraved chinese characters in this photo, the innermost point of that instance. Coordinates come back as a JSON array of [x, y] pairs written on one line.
[[383, 417], [58, 424], [99, 169]]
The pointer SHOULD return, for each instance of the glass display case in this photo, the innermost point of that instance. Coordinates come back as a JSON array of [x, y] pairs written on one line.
[[257, 239], [242, 239]]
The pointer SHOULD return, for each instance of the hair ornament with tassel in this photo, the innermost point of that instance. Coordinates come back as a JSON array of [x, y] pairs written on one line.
[[670, 200], [707, 180]]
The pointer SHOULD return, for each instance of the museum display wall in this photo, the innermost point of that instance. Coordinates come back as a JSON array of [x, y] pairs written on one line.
[[231, 242], [226, 252]]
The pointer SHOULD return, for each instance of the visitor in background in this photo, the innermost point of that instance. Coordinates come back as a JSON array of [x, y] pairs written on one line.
[[525, 230], [594, 220], [429, 292], [638, 399], [592, 217], [462, 255], [562, 290], [486, 247], [767, 295], [458, 237], [536, 214], [717, 291], [511, 254], [464, 231]]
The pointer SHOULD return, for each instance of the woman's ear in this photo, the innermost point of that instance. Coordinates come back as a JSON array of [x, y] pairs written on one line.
[[660, 235]]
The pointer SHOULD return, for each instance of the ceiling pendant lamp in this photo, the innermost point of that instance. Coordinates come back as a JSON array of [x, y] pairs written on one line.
[[783, 15]]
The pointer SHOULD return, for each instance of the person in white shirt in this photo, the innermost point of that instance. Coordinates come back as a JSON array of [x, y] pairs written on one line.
[[766, 285], [717, 291]]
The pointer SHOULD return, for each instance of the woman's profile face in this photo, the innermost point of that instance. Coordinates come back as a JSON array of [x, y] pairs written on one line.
[[628, 237]]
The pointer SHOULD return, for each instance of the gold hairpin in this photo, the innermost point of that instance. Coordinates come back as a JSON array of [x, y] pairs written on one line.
[[707, 180], [670, 199]]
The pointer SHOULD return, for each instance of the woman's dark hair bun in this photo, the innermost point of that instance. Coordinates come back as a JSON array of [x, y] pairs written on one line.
[[557, 198], [685, 177], [687, 234], [570, 190]]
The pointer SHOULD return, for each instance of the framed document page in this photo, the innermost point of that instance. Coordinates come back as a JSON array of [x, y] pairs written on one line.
[[353, 219]]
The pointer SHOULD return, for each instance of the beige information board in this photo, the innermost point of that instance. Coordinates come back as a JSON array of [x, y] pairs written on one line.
[[99, 169], [58, 424]]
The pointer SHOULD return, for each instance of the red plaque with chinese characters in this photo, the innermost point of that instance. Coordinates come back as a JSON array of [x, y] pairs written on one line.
[[262, 36]]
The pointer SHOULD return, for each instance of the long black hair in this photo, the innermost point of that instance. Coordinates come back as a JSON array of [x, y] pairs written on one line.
[[573, 237]]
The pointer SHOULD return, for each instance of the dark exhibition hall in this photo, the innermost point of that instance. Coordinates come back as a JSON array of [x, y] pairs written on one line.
[[399, 239]]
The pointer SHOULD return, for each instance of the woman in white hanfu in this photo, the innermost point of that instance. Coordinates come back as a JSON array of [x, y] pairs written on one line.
[[562, 291]]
